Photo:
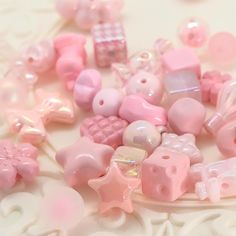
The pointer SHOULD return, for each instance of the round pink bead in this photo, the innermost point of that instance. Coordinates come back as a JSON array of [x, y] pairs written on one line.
[[222, 48], [107, 102], [147, 86], [142, 134], [67, 8], [193, 32]]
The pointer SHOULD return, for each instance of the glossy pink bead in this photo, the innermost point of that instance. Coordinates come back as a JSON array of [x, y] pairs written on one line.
[[142, 134], [67, 8], [84, 160], [181, 59], [107, 102], [147, 86], [109, 44], [71, 57], [135, 108], [88, 83], [104, 130], [222, 48], [168, 172], [187, 115], [193, 32]]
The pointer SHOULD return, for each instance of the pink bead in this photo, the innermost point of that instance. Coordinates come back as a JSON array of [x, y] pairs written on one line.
[[187, 115], [104, 130], [136, 108], [107, 102], [226, 139], [84, 160], [165, 175], [222, 48], [71, 57], [193, 32], [88, 83], [109, 44], [182, 84], [142, 134], [181, 59], [147, 86], [67, 8], [162, 45]]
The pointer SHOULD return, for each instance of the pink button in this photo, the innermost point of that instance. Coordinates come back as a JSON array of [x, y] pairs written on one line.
[[136, 108], [88, 83]]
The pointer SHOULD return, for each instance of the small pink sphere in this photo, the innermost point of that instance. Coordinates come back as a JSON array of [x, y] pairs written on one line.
[[193, 32], [147, 86], [222, 48], [107, 102], [67, 8]]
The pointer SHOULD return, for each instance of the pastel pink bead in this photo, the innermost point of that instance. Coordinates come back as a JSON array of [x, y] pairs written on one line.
[[226, 139], [107, 102], [67, 8], [222, 48], [71, 57], [187, 115], [147, 86], [142, 134], [135, 108], [164, 175], [181, 59], [88, 83], [104, 130], [193, 32]]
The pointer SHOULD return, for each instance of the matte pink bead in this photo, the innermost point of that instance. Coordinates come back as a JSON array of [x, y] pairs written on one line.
[[71, 57], [104, 130], [107, 102], [187, 115], [135, 108], [181, 59], [88, 83], [67, 8], [109, 44], [226, 139], [182, 84], [147, 86], [193, 32], [142, 134], [165, 175], [222, 48]]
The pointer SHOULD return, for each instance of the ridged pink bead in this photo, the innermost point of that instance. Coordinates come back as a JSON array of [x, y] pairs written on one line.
[[67, 8]]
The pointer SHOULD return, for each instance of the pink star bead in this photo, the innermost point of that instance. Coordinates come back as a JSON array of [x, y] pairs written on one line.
[[84, 160], [114, 190]]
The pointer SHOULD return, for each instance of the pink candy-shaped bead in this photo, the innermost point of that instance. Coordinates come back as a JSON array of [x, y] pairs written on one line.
[[135, 108], [88, 83]]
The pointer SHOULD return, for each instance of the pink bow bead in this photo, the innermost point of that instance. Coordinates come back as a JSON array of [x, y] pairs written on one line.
[[17, 161]]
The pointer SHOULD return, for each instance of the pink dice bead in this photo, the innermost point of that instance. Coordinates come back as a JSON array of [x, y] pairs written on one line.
[[104, 130], [135, 108], [71, 57], [182, 84], [187, 115], [164, 175], [222, 48], [107, 102], [147, 86], [88, 83], [181, 59], [142, 134], [194, 32], [109, 44], [67, 8]]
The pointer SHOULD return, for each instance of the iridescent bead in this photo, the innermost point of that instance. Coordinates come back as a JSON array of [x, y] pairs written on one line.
[[193, 32]]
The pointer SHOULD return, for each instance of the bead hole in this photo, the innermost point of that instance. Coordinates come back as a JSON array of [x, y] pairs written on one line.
[[165, 157], [143, 81], [101, 102], [30, 60]]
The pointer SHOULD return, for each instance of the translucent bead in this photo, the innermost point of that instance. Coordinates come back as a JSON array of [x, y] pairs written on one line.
[[67, 8]]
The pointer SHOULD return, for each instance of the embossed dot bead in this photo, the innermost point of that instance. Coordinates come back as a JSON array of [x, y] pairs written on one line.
[[107, 102]]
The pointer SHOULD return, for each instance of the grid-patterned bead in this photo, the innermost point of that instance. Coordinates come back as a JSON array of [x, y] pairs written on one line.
[[109, 44]]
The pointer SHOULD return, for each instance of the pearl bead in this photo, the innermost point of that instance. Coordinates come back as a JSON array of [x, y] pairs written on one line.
[[193, 32], [67, 8]]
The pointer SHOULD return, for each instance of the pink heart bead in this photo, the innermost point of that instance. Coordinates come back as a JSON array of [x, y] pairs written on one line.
[[67, 8], [71, 57], [187, 115], [107, 102], [88, 83], [135, 108], [147, 86]]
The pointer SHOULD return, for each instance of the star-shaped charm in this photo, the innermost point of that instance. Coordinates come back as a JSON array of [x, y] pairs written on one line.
[[84, 160], [114, 189]]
